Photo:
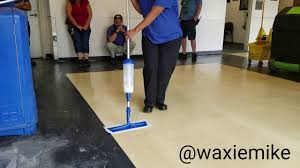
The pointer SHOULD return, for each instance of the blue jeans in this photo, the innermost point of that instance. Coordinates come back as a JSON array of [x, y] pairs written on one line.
[[81, 39]]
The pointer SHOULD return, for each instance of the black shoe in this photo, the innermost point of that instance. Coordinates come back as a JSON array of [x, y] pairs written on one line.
[[33, 63], [113, 61], [86, 63], [81, 63], [183, 56], [161, 106], [194, 57], [260, 64], [147, 109], [124, 56]]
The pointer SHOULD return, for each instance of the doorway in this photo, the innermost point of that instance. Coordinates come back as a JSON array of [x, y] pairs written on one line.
[[35, 37], [236, 27], [39, 20]]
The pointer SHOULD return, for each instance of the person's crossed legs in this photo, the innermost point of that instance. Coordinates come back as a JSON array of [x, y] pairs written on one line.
[[114, 49]]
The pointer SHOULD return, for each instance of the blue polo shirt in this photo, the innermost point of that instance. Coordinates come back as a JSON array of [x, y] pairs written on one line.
[[166, 26], [120, 39]]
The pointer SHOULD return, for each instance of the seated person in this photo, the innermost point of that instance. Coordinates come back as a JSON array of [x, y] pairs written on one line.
[[116, 42]]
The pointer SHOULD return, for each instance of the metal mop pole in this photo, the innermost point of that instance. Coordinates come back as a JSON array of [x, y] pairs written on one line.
[[263, 14], [128, 28], [128, 95]]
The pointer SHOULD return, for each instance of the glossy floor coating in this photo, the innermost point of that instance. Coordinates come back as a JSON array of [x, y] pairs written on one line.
[[237, 53], [210, 106]]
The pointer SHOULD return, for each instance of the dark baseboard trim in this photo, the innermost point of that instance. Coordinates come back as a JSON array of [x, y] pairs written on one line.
[[234, 43], [107, 58], [204, 53], [94, 58]]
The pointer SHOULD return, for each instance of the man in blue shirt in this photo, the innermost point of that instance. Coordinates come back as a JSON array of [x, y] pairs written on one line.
[[116, 42], [189, 17], [161, 43]]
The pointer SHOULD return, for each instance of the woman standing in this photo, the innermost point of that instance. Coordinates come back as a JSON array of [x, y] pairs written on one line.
[[161, 43], [79, 16]]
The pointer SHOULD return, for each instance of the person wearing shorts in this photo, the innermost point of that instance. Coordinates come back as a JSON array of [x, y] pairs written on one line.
[[189, 18]]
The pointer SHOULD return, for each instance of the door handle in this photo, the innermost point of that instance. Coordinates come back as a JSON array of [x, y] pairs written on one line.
[[35, 15]]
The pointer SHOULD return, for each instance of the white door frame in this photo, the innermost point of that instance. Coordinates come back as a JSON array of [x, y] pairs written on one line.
[[45, 27], [35, 35]]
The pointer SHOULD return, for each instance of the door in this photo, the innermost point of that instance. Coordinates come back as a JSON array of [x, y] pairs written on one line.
[[45, 27], [35, 37]]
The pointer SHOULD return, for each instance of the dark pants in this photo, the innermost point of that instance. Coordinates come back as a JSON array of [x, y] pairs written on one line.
[[189, 29], [81, 39], [160, 62], [29, 31]]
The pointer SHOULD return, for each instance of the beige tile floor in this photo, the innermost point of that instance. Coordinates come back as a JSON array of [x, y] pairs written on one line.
[[210, 106]]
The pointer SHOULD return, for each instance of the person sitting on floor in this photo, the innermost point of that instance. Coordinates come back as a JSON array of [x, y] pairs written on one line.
[[116, 42]]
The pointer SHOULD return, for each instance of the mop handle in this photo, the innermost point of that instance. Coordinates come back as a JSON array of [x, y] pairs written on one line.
[[128, 110], [128, 28], [263, 14]]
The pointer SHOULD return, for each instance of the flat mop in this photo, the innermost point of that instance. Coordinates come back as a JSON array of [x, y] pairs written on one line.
[[128, 82]]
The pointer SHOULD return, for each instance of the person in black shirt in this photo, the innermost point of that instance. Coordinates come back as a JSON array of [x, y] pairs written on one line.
[[25, 5]]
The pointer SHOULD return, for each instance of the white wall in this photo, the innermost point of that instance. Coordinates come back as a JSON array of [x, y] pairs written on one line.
[[271, 10], [210, 29], [237, 17], [285, 3]]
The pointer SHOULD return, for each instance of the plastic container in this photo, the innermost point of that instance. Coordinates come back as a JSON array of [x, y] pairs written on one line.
[[260, 51], [18, 113], [7, 3], [128, 75]]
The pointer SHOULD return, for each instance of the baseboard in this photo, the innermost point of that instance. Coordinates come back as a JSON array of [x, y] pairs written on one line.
[[217, 52], [107, 58], [95, 58], [206, 53]]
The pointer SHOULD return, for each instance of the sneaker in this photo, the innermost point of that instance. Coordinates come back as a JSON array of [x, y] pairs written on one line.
[[161, 106], [33, 63], [87, 63], [194, 58], [260, 64], [113, 61], [147, 109], [81, 63], [183, 56]]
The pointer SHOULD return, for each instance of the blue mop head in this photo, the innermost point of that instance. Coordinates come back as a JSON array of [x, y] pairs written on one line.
[[127, 127]]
